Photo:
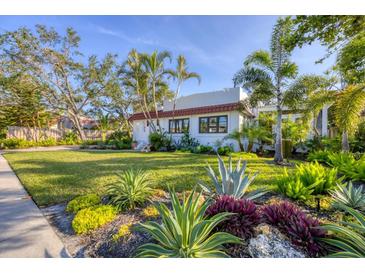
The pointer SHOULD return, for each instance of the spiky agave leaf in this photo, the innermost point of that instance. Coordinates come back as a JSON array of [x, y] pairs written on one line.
[[185, 231], [348, 240], [350, 196]]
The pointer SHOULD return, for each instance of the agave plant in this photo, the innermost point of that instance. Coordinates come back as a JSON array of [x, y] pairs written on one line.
[[133, 188], [232, 182], [186, 231], [350, 196], [348, 241]]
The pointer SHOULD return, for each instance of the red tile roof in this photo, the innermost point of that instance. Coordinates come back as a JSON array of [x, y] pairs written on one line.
[[189, 111]]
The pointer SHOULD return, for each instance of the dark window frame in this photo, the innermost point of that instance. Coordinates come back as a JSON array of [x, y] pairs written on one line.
[[216, 126], [182, 123]]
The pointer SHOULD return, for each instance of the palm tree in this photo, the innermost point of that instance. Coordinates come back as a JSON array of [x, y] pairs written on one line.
[[266, 74], [181, 75], [154, 65], [104, 124], [349, 104], [236, 135], [135, 79]]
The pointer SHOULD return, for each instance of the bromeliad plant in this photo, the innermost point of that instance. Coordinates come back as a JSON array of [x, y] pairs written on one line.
[[350, 196], [245, 217], [308, 179], [302, 229], [133, 189], [348, 241], [186, 231], [232, 182]]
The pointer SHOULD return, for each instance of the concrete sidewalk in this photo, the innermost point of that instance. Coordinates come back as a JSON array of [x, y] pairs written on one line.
[[24, 231]]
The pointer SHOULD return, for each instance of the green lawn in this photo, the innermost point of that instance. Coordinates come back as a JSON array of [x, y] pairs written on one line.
[[53, 177]]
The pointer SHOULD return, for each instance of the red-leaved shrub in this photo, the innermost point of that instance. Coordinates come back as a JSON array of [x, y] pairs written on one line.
[[303, 230], [242, 223]]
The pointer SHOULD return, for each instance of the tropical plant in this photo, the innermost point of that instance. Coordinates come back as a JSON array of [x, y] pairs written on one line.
[[133, 189], [293, 187], [82, 202], [350, 196], [245, 217], [232, 182], [358, 172], [156, 72], [302, 229], [348, 240], [181, 74], [236, 135], [104, 124], [321, 156], [343, 161], [267, 74], [186, 231], [224, 150], [91, 218]]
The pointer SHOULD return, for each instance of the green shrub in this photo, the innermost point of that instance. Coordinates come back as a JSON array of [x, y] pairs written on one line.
[[70, 138], [120, 139], [186, 142], [287, 148], [358, 171], [82, 202], [225, 150], [91, 218], [186, 231], [202, 149], [308, 178], [14, 143], [320, 156], [47, 142], [343, 161], [159, 141], [133, 189]]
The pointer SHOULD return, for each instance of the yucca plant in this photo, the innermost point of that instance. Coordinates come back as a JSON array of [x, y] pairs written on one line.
[[133, 188], [186, 231], [348, 239], [232, 182], [349, 196]]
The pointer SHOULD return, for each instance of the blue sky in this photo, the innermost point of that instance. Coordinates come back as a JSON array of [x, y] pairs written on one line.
[[215, 46]]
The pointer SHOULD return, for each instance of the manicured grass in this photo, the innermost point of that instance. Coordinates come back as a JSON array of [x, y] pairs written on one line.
[[58, 176]]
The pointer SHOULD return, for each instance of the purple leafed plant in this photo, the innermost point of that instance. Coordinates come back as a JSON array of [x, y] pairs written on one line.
[[303, 230], [242, 223]]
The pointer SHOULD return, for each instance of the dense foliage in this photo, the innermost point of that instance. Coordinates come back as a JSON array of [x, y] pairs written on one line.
[[308, 178], [186, 231], [245, 217], [82, 202], [132, 189], [92, 218], [302, 229]]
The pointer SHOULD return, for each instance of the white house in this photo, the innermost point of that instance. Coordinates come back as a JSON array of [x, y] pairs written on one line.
[[208, 117]]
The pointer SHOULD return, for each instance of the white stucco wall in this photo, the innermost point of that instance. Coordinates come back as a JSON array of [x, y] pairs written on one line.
[[141, 131]]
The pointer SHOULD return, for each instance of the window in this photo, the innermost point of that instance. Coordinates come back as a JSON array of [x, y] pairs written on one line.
[[178, 125], [214, 124]]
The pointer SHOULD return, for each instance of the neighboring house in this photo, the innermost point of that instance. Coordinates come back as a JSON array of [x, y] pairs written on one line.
[[208, 117], [63, 122]]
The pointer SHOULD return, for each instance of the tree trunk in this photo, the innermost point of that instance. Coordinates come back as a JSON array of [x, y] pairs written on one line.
[[174, 106], [240, 145], [76, 120], [278, 157], [345, 141], [155, 103]]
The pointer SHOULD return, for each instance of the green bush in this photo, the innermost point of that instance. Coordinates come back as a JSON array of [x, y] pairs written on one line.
[[159, 141], [186, 231], [225, 150], [91, 218], [202, 149], [133, 189], [82, 202], [308, 178], [287, 148], [320, 156], [14, 143], [47, 142], [70, 138], [120, 139]]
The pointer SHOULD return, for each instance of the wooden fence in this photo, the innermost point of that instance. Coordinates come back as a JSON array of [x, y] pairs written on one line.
[[45, 133]]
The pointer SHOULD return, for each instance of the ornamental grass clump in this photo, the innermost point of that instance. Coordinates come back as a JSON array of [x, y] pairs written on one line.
[[186, 231], [244, 219], [302, 229], [82, 202], [89, 219], [133, 189]]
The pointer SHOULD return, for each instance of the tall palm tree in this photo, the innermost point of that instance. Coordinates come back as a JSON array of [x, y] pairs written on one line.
[[181, 75], [135, 79], [154, 65], [266, 74]]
